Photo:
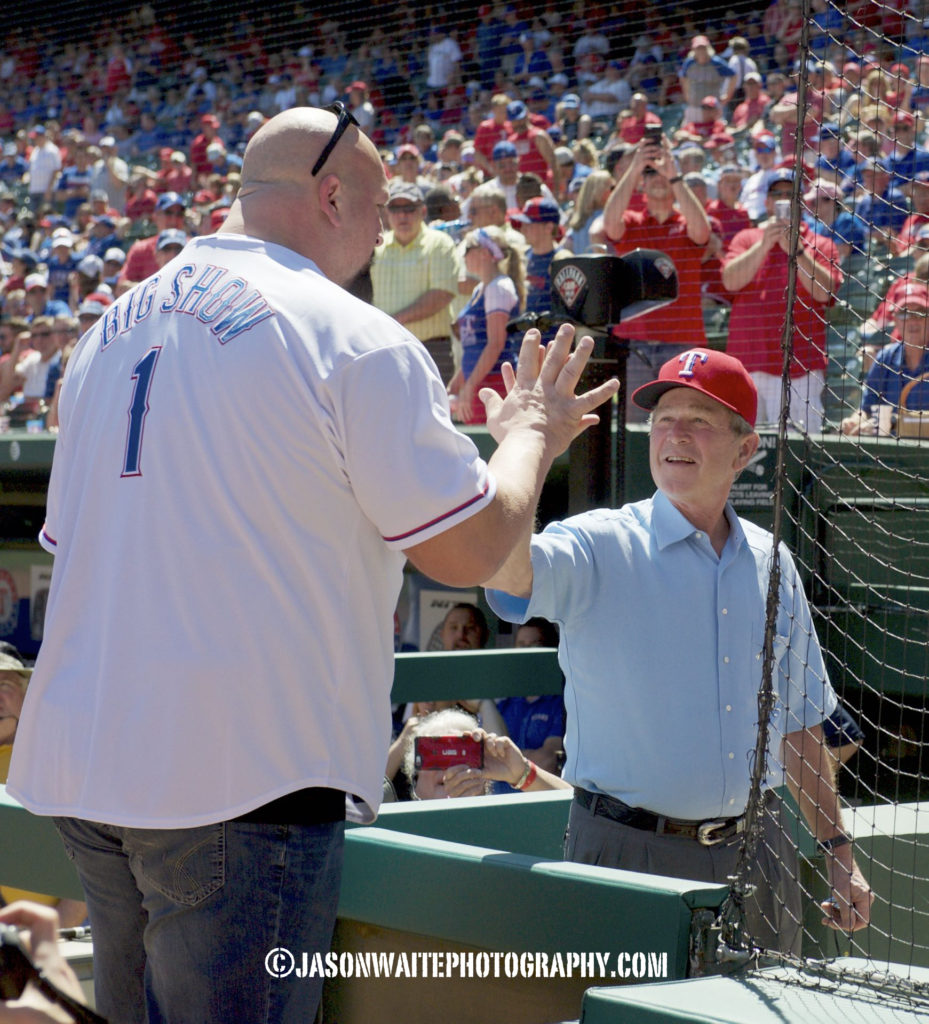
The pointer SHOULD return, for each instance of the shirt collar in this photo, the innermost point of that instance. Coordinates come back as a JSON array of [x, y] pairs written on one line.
[[671, 526]]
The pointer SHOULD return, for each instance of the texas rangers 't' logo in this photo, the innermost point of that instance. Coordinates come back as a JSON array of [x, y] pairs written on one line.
[[688, 361]]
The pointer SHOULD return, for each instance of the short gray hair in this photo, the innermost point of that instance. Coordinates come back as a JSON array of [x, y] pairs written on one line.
[[448, 722]]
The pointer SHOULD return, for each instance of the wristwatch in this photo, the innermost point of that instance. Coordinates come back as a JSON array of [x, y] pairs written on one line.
[[829, 845]]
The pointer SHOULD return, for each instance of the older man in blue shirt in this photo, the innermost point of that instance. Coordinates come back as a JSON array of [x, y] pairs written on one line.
[[661, 606]]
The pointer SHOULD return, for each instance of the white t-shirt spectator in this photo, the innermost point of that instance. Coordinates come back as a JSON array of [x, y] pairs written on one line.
[[603, 110], [44, 164], [35, 374], [444, 56]]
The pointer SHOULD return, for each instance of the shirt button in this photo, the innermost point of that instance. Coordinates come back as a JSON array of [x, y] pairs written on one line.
[[726, 659], [731, 756], [699, 536], [732, 801], [725, 611], [757, 657], [728, 707]]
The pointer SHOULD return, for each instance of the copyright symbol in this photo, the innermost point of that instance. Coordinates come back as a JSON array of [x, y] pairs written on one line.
[[279, 962]]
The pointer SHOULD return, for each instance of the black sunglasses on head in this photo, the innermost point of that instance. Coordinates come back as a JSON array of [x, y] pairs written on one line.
[[346, 118]]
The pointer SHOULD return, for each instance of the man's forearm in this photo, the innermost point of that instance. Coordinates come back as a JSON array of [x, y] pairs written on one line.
[[428, 304], [815, 277], [484, 545], [811, 777], [515, 575], [698, 224], [739, 272], [618, 203]]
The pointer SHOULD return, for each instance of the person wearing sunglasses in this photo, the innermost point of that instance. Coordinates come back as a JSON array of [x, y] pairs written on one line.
[[756, 266], [247, 456], [36, 369], [897, 364]]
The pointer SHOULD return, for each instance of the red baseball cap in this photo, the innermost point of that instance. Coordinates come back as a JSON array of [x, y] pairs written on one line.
[[913, 295], [714, 374]]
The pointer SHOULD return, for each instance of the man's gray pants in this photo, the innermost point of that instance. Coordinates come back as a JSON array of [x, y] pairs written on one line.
[[774, 913]]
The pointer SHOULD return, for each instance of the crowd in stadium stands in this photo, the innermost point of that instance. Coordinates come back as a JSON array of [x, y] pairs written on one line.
[[504, 129]]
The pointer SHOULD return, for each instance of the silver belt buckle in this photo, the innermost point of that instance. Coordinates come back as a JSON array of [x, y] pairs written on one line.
[[705, 832]]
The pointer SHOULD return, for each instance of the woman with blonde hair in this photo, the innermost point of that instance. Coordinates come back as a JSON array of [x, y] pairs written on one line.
[[481, 326], [589, 206]]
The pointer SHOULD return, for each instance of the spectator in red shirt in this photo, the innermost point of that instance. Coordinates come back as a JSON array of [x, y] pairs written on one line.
[[711, 125], [784, 112], [210, 132], [749, 112], [179, 175], [755, 267], [675, 223], [489, 132], [726, 208], [534, 147], [141, 262], [632, 124], [140, 199]]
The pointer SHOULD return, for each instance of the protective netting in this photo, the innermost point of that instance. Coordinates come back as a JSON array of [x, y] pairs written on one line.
[[131, 87], [852, 508]]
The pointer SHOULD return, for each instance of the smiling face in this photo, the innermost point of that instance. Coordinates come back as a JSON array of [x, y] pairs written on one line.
[[695, 453]]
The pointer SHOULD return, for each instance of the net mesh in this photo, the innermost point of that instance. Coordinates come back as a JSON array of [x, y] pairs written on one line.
[[849, 503], [852, 514]]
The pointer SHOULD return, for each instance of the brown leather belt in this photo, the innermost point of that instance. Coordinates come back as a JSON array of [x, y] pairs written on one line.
[[706, 833]]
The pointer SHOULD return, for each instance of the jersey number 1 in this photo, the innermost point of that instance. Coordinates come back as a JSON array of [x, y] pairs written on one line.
[[142, 374]]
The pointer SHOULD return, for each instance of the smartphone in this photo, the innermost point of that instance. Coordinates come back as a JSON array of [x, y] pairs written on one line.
[[652, 135], [782, 209], [436, 753]]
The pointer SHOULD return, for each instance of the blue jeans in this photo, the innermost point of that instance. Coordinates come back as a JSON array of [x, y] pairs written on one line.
[[183, 919]]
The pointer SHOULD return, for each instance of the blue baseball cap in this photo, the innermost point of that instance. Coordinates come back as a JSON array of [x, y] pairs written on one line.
[[172, 236], [169, 199], [538, 210], [780, 175], [503, 150], [517, 110]]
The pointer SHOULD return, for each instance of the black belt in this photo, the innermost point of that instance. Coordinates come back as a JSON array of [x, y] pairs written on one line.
[[706, 833]]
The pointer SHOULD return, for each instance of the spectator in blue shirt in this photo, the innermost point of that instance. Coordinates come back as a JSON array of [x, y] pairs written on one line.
[[12, 165], [833, 156], [907, 158], [897, 364], [536, 724], [875, 201], [539, 220]]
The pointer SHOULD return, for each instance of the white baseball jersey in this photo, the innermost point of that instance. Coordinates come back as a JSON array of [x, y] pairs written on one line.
[[245, 450]]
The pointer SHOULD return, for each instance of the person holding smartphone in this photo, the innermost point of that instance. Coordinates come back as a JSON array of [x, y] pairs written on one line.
[[675, 223], [755, 268]]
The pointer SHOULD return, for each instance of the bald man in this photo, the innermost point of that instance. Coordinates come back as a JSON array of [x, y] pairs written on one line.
[[247, 455]]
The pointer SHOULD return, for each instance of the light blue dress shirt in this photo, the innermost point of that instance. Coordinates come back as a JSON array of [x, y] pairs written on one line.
[[661, 646]]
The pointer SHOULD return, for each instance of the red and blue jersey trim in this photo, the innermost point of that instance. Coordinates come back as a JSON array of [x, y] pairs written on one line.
[[441, 518]]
